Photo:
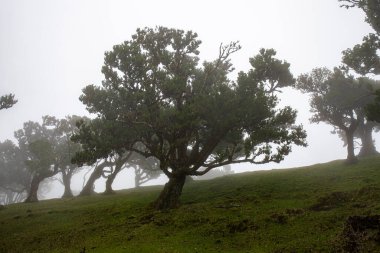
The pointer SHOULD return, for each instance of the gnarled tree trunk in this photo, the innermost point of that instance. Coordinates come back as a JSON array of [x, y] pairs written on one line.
[[88, 189], [169, 197], [66, 179], [368, 147], [110, 180], [351, 158], [32, 195]]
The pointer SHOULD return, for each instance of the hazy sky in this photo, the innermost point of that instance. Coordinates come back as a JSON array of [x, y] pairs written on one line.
[[50, 50]]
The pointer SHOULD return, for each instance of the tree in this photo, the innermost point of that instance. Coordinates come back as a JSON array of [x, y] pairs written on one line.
[[42, 165], [57, 134], [339, 100], [14, 176], [65, 149], [191, 118], [7, 101], [364, 58]]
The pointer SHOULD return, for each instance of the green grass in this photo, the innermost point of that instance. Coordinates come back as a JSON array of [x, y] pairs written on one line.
[[293, 210]]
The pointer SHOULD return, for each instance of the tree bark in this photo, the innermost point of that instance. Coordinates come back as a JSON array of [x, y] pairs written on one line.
[[66, 178], [169, 197], [32, 195], [88, 189], [110, 180], [351, 158], [368, 147]]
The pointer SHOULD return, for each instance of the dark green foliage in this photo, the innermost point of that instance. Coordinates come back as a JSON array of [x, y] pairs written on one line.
[[7, 101], [191, 118], [363, 58], [373, 110], [42, 156], [371, 9]]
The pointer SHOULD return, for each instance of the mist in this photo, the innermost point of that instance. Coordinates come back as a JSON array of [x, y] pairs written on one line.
[[52, 49]]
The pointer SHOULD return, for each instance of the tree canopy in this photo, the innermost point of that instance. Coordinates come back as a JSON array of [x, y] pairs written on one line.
[[7, 101], [338, 99], [190, 117]]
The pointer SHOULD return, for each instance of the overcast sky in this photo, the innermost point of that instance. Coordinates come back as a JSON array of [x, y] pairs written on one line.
[[50, 50]]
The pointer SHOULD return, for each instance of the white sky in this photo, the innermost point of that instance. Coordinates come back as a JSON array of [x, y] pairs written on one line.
[[50, 50]]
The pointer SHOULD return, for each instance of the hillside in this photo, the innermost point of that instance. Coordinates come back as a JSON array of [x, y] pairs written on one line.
[[295, 210]]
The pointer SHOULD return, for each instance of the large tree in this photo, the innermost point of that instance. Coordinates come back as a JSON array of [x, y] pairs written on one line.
[[190, 117]]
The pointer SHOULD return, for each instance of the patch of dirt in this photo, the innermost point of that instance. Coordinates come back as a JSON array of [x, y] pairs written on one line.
[[331, 201], [360, 234]]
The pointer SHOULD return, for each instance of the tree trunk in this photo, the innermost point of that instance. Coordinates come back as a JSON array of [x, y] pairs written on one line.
[[110, 180], [32, 195], [169, 197], [138, 175], [351, 158], [66, 178], [368, 147], [88, 189]]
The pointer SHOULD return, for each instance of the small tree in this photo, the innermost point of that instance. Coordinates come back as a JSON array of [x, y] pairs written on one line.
[[191, 118]]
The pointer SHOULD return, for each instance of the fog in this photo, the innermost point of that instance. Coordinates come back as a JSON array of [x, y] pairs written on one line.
[[51, 49]]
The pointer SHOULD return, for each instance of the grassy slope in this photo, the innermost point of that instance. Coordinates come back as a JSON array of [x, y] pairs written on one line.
[[250, 212]]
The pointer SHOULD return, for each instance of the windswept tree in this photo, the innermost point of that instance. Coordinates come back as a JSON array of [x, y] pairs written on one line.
[[190, 117], [61, 131], [7, 101], [339, 100], [53, 137], [34, 140], [41, 164]]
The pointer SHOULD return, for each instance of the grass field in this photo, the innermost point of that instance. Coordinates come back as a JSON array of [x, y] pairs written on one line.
[[294, 210]]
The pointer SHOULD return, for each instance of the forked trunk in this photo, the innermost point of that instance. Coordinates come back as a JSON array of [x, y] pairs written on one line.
[[351, 158], [110, 180], [169, 197], [32, 195], [66, 178]]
